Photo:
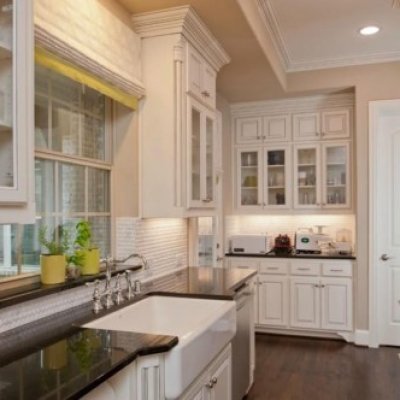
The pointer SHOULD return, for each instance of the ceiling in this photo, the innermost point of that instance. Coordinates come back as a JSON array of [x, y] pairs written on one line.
[[306, 34], [316, 34]]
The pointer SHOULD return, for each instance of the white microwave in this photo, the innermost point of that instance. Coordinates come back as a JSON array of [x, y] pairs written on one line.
[[250, 244]]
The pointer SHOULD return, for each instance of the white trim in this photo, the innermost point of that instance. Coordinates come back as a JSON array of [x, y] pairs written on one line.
[[271, 23], [293, 104], [362, 338], [182, 20]]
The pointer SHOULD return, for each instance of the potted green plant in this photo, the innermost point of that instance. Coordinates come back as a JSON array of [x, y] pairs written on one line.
[[87, 255], [53, 260]]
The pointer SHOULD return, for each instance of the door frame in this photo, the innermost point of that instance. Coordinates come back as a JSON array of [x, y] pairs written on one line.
[[375, 109]]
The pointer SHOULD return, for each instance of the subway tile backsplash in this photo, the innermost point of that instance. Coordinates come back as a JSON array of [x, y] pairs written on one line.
[[162, 241]]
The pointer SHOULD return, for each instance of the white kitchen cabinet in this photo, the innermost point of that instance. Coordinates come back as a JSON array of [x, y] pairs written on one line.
[[336, 304], [201, 166], [249, 178], [315, 295], [216, 382], [277, 177], [248, 130], [277, 128], [16, 105], [321, 125], [305, 303], [273, 295], [201, 78], [322, 176], [177, 119]]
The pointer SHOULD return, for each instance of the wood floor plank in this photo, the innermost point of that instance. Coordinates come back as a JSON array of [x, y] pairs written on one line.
[[294, 368]]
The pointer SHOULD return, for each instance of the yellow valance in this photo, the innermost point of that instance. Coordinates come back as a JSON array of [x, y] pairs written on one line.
[[55, 63]]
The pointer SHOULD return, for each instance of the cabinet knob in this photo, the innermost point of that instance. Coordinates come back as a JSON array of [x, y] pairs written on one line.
[[206, 200], [205, 93]]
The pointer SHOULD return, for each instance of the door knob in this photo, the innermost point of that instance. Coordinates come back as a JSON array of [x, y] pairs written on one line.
[[385, 257]]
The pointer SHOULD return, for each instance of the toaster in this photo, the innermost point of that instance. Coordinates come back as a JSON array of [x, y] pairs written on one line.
[[250, 244]]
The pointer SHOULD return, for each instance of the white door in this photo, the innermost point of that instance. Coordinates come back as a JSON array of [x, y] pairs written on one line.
[[273, 298], [385, 203], [305, 302], [336, 303], [221, 381]]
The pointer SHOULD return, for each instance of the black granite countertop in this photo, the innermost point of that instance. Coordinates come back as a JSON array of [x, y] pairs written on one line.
[[299, 256], [55, 358]]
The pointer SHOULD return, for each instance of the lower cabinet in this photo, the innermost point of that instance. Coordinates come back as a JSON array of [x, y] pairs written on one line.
[[273, 296], [216, 382], [301, 294]]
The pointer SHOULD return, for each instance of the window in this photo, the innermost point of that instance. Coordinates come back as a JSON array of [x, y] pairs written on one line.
[[72, 169]]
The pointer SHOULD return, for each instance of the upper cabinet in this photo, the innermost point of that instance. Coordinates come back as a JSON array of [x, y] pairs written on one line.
[[302, 153], [326, 124], [178, 130], [16, 102]]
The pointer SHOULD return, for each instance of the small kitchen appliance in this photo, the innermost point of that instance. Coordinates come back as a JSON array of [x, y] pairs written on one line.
[[308, 242], [250, 244]]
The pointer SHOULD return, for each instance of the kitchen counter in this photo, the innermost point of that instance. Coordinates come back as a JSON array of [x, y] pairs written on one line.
[[53, 357], [297, 256]]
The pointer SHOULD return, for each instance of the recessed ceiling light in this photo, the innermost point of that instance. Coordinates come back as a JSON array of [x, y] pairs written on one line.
[[369, 30]]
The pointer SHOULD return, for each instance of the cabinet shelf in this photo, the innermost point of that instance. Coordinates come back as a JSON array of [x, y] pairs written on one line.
[[250, 187], [5, 51], [307, 187], [276, 187], [336, 186], [306, 165], [5, 127]]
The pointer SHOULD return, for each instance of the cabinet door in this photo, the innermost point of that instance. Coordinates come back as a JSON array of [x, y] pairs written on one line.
[[209, 77], [248, 130], [276, 128], [221, 380], [273, 301], [248, 178], [16, 101], [336, 175], [337, 304], [304, 303], [307, 182], [277, 177], [306, 126], [201, 155], [336, 123], [194, 73]]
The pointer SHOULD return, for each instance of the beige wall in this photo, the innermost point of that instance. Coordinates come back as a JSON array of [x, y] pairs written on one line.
[[371, 82]]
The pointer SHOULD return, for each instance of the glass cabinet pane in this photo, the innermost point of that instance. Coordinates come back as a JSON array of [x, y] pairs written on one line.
[[249, 162], [209, 159], [336, 175], [307, 176], [7, 139], [196, 154], [276, 177]]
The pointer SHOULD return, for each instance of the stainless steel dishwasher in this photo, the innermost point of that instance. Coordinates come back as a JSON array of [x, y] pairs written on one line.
[[241, 344]]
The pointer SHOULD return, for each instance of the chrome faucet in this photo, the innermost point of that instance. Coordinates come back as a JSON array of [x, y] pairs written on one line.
[[108, 292]]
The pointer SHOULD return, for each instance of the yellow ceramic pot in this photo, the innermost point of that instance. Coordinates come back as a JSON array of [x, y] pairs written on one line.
[[91, 262], [53, 268]]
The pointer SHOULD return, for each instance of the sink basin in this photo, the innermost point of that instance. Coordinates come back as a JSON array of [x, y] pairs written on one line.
[[203, 327]]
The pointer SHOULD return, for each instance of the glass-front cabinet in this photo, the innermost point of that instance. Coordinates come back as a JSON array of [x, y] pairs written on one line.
[[249, 175], [276, 177], [322, 176], [307, 173], [16, 101], [336, 175], [202, 177]]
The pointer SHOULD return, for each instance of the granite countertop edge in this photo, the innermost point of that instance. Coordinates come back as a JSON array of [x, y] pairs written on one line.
[[296, 256]]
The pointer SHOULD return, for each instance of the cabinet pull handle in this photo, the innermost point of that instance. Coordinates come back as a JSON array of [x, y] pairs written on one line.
[[272, 268], [258, 137], [316, 285], [336, 270], [209, 385], [303, 269], [207, 200], [214, 380], [205, 93]]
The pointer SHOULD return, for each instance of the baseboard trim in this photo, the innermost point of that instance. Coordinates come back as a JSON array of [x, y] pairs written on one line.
[[361, 337], [294, 332]]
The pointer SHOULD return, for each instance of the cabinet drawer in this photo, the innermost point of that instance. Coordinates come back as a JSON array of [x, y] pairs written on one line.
[[337, 268], [274, 267], [243, 263], [305, 267]]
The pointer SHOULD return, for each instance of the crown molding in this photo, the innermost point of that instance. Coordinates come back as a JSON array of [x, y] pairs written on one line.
[[185, 21], [274, 30], [294, 104]]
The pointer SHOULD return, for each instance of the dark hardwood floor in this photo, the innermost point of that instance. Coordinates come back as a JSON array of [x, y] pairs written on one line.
[[292, 368]]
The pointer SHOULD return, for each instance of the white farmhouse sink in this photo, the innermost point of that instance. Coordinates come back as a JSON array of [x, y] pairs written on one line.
[[203, 327]]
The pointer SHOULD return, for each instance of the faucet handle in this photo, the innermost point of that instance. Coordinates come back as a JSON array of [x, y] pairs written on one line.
[[118, 290], [96, 295]]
